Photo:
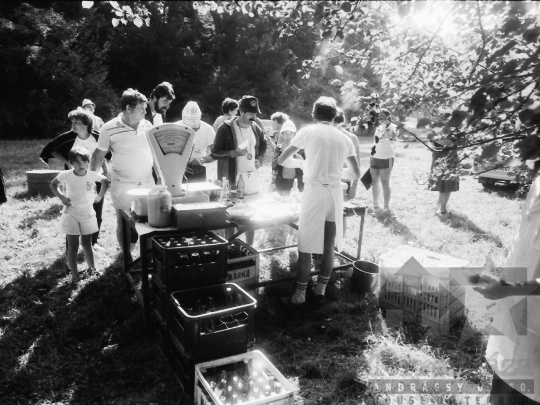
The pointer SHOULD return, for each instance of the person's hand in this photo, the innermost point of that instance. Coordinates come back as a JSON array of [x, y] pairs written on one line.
[[490, 286], [66, 201], [196, 162], [257, 164], [241, 152], [352, 192], [97, 198], [189, 170]]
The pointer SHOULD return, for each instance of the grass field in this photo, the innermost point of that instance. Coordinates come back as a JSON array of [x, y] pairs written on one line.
[[61, 344]]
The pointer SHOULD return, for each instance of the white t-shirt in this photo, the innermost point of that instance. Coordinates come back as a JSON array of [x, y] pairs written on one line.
[[89, 143], [326, 149], [157, 119], [204, 137], [132, 156], [80, 190], [384, 149], [245, 136]]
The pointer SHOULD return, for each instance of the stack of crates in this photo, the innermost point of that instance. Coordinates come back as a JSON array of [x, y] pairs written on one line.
[[420, 285], [257, 379], [209, 323], [198, 316], [183, 261]]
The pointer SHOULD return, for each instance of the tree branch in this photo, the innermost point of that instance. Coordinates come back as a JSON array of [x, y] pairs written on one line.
[[483, 41]]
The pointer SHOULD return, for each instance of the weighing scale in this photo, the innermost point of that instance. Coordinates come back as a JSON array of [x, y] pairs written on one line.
[[172, 146]]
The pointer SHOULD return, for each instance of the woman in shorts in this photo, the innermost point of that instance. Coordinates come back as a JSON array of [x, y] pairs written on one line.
[[382, 159]]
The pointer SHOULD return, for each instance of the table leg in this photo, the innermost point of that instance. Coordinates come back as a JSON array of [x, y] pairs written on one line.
[[145, 264], [126, 238], [360, 236]]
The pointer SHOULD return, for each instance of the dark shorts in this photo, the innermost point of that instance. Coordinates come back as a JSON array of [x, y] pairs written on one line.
[[381, 163]]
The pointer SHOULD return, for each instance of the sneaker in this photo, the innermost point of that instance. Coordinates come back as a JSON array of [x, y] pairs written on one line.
[[98, 248], [288, 302]]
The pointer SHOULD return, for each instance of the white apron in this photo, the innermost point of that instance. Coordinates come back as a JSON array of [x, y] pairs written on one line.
[[320, 203]]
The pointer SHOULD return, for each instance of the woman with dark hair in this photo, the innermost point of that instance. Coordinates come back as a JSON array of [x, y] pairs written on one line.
[[445, 160], [81, 134], [229, 109], [382, 159]]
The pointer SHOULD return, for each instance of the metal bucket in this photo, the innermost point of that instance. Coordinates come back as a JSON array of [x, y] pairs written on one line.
[[39, 182], [365, 277]]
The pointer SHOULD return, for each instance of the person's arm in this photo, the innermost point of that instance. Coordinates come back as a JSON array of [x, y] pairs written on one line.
[[104, 186], [286, 159], [54, 187], [354, 166], [58, 155], [495, 288], [262, 148], [218, 150], [97, 159]]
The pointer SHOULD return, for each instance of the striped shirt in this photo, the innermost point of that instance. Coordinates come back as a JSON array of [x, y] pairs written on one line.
[[132, 156]]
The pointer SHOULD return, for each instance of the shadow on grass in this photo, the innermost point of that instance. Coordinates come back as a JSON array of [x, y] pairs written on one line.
[[53, 212], [25, 196], [455, 220], [83, 344], [390, 221]]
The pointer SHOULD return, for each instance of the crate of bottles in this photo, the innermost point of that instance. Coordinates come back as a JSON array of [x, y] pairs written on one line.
[[161, 334], [245, 378], [212, 319], [161, 300], [190, 260], [183, 367], [420, 283], [242, 264]]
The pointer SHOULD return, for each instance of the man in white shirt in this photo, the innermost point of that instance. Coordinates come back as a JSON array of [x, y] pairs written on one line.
[[202, 146], [132, 160], [160, 101], [321, 214]]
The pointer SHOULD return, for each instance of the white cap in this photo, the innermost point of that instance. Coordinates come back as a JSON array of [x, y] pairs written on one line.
[[191, 114], [288, 126], [87, 101]]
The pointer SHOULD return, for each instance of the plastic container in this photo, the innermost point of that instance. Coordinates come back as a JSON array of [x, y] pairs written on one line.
[[242, 264], [229, 327], [159, 207], [175, 273], [204, 393], [419, 283], [39, 182]]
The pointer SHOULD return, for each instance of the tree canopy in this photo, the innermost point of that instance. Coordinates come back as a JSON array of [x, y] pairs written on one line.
[[471, 67]]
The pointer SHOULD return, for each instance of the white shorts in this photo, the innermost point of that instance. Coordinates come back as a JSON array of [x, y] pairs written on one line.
[[71, 224], [119, 188], [317, 208]]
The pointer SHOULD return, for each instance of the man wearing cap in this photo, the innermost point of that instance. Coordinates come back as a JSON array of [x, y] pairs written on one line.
[[321, 212], [89, 106], [202, 147], [240, 146], [160, 101], [132, 160]]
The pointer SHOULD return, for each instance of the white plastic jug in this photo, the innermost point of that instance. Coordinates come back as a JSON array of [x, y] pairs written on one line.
[[159, 207]]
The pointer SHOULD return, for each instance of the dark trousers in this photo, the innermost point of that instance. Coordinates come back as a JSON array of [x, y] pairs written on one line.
[[504, 394]]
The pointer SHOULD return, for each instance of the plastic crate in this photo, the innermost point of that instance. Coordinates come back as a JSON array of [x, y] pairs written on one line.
[[161, 300], [175, 272], [419, 282], [230, 327], [204, 393], [161, 334], [183, 367], [242, 264]]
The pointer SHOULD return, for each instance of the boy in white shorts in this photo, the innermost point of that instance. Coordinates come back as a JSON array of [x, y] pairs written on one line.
[[78, 216]]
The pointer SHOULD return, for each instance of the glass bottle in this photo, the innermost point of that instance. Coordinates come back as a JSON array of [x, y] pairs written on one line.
[[240, 187]]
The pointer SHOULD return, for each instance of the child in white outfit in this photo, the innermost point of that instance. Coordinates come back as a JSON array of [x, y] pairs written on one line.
[[78, 216]]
